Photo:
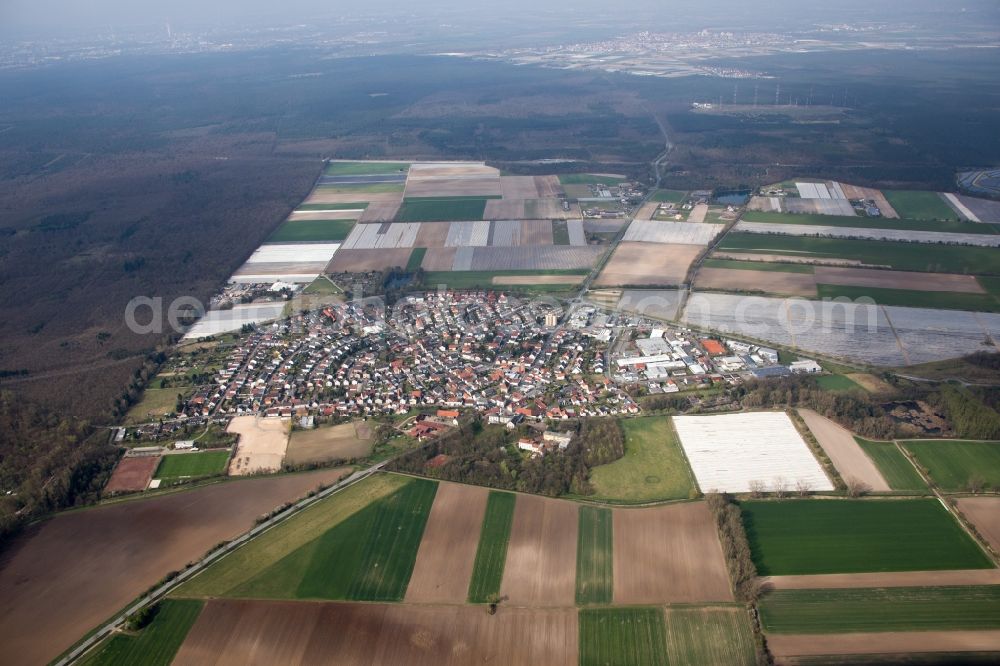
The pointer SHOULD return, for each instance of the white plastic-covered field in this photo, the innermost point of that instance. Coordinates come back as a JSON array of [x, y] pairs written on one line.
[[294, 253], [225, 321], [739, 452], [382, 236], [981, 240], [681, 233]]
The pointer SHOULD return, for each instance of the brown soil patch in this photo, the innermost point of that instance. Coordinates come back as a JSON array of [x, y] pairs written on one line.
[[519, 187], [668, 554], [548, 187], [281, 268], [380, 212], [287, 632], [984, 513], [537, 279], [856, 192], [541, 555], [325, 215], [536, 232], [132, 474], [845, 454], [52, 598], [359, 261], [452, 187], [870, 383], [698, 213], [321, 197], [895, 642], [339, 442], [772, 282], [785, 258], [425, 170], [647, 211], [448, 548], [883, 579], [439, 259], [648, 264], [261, 446], [504, 209], [870, 277], [432, 234]]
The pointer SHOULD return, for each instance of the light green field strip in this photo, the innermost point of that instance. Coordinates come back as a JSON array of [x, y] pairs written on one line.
[[955, 465], [487, 572], [896, 468], [154, 645], [710, 636], [622, 637], [594, 553]]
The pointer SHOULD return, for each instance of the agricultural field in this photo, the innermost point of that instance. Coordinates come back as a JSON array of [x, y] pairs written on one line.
[[789, 283], [920, 205], [154, 645], [542, 548], [594, 557], [837, 383], [854, 536], [847, 457], [491, 553], [671, 233], [311, 230], [416, 258], [591, 179], [710, 636], [984, 514], [622, 637], [975, 238], [261, 446], [669, 196], [51, 601], [653, 467], [444, 210], [735, 452], [226, 321], [339, 442], [735, 264], [522, 279], [897, 470], [870, 223], [648, 264], [956, 465], [177, 466], [337, 168], [155, 402], [881, 609], [928, 648]]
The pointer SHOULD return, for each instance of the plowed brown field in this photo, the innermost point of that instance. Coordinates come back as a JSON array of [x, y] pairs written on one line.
[[893, 642], [536, 232], [871, 277], [771, 282], [548, 186], [132, 474], [541, 555], [519, 187], [984, 513], [648, 264], [439, 259], [883, 579], [845, 454], [358, 261]]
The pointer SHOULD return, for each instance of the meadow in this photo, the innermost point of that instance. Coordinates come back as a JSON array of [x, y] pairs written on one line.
[[622, 637], [589, 179], [653, 467], [594, 553], [837, 383], [312, 230], [920, 205], [153, 645], [953, 465], [897, 470], [364, 168], [669, 196], [192, 465], [487, 572]]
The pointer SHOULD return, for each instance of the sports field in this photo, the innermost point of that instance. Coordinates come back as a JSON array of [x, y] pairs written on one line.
[[852, 536], [312, 230], [622, 637], [920, 205], [153, 645], [487, 572], [955, 464], [897, 470], [443, 210], [595, 542], [945, 300], [881, 609], [652, 468], [709, 636], [192, 465]]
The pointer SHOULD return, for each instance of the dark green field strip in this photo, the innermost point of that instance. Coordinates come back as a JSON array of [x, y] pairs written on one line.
[[331, 206], [594, 552], [759, 266], [669, 196], [365, 168], [589, 179], [870, 222], [202, 463], [154, 645], [441, 210], [920, 205], [898, 471], [881, 609], [945, 300], [312, 230], [900, 256], [622, 637], [953, 465], [416, 258], [852, 536], [487, 572], [990, 284]]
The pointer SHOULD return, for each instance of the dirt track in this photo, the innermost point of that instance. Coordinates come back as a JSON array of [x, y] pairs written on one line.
[[984, 513], [871, 277], [275, 632], [845, 454], [772, 282], [541, 557], [62, 579], [897, 642], [883, 579], [448, 548], [648, 264], [668, 554]]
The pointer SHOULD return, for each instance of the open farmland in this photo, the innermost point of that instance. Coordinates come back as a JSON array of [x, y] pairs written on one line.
[[658, 303], [366, 168], [594, 557], [957, 465], [868, 277], [622, 637], [443, 210], [984, 513], [772, 282], [485, 279], [178, 466], [672, 233], [709, 636], [858, 192], [51, 600], [541, 279], [225, 321], [641, 264], [132, 474], [849, 459], [454, 179], [339, 442], [920, 205], [881, 579], [734, 452], [261, 446], [444, 565], [893, 647], [848, 536], [870, 223], [535, 258], [156, 644], [312, 230], [653, 467], [155, 403], [766, 228], [360, 261], [540, 553], [491, 553], [274, 632], [668, 554], [895, 467]]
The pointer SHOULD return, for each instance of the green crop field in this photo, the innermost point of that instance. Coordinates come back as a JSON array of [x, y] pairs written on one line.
[[710, 636], [364, 168], [560, 232], [595, 545], [154, 645], [622, 637], [669, 196], [306, 208], [760, 266], [487, 572], [653, 467], [312, 230], [589, 179], [155, 403], [870, 222], [361, 188], [881, 609], [946, 300], [920, 205], [953, 464], [852, 536], [444, 210], [837, 383], [416, 258], [473, 279], [898, 471], [188, 465], [899, 255]]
